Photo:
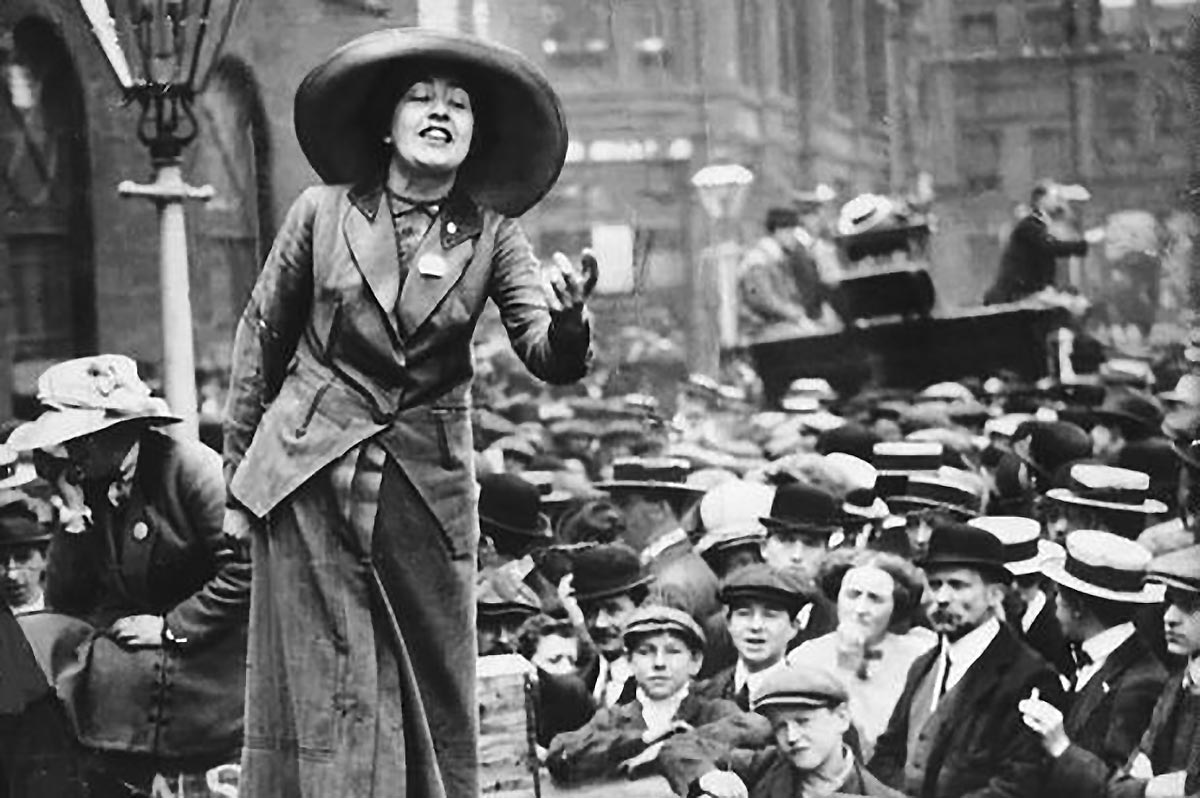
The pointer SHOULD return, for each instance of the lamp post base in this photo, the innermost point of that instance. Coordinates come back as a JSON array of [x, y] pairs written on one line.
[[169, 192]]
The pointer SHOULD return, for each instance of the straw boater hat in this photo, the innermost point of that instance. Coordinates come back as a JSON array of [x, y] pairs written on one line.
[[344, 105], [1178, 570], [864, 212], [861, 501], [952, 490], [730, 513], [1106, 566], [1108, 488], [1025, 551], [664, 476], [85, 396]]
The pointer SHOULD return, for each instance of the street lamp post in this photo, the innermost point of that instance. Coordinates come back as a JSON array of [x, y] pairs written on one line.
[[171, 45], [722, 190]]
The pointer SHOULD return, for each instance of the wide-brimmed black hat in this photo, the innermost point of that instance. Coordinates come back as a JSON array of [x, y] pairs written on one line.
[[606, 570], [520, 140], [1051, 444], [513, 505], [665, 476], [1132, 410], [803, 508], [956, 544]]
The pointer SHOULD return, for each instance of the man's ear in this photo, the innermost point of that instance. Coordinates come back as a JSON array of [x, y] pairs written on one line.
[[695, 663], [842, 713]]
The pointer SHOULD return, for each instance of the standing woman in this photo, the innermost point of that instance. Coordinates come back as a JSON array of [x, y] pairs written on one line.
[[348, 440]]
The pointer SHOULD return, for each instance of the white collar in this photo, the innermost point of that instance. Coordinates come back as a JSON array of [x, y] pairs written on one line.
[[1191, 674], [659, 713], [656, 547], [743, 676], [1100, 647], [37, 605], [970, 647], [612, 674], [1033, 610]]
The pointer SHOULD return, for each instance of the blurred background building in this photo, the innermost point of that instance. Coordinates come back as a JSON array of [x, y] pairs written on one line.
[[862, 95]]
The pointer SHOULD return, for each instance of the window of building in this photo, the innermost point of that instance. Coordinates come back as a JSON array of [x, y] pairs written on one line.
[[652, 32], [749, 42], [846, 32], [979, 155], [978, 31], [1048, 26], [578, 32], [1050, 153]]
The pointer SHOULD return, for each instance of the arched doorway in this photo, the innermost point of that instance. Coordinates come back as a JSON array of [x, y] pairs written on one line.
[[45, 196]]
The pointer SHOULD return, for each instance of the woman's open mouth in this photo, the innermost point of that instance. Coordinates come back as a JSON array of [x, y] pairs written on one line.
[[436, 134]]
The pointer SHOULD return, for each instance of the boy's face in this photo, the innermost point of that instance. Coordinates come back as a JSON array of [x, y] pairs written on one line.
[[1182, 623], [760, 631], [786, 550], [663, 663], [809, 736]]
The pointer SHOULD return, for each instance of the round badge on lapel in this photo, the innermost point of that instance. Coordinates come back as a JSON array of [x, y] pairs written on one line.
[[140, 530], [451, 228]]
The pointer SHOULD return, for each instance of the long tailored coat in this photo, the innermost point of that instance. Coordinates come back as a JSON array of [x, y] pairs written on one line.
[[984, 750], [1106, 719], [362, 651], [1029, 261], [162, 551]]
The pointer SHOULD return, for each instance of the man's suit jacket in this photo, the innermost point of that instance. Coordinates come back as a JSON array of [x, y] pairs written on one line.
[[984, 750], [1106, 720], [1155, 738], [768, 774], [1029, 260]]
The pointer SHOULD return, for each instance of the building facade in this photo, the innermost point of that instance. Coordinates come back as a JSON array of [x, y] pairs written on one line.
[[799, 93], [1092, 92]]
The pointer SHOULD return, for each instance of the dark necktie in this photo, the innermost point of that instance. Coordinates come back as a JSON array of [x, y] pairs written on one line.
[[1081, 657], [411, 219], [742, 699]]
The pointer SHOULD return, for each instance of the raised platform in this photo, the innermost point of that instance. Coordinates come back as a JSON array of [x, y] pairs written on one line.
[[913, 352]]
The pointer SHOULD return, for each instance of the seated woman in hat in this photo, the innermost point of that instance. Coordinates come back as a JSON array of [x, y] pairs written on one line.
[[665, 649], [348, 435], [143, 588], [878, 596]]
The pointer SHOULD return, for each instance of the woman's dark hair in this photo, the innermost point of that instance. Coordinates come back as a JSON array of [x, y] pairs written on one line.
[[908, 585], [391, 86], [535, 628]]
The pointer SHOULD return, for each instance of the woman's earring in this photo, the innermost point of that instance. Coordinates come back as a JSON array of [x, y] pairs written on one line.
[[387, 139]]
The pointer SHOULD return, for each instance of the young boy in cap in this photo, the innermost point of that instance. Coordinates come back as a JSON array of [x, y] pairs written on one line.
[[665, 648], [806, 708], [1117, 679], [761, 606]]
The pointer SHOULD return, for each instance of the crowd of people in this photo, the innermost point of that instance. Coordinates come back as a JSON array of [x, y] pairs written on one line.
[[983, 588]]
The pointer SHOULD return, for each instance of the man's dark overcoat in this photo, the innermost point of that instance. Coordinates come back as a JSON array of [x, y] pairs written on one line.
[[1106, 720], [984, 750], [1029, 261], [1156, 744], [348, 435]]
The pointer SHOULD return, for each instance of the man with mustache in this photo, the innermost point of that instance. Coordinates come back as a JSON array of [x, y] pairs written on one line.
[[956, 729]]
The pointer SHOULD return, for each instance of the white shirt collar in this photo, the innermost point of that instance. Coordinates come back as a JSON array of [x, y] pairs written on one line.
[[964, 652], [656, 547], [37, 605], [658, 714], [611, 681], [1191, 674], [743, 676], [1033, 610], [1099, 648]]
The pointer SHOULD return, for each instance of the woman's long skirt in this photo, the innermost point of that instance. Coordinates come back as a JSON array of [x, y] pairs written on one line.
[[362, 652]]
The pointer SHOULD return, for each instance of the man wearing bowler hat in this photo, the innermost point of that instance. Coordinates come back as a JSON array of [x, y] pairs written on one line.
[[23, 544], [511, 517], [956, 729], [1117, 678]]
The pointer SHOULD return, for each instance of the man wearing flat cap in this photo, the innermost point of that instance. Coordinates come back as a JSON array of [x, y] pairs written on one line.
[[1117, 678], [1167, 760], [806, 707], [956, 729]]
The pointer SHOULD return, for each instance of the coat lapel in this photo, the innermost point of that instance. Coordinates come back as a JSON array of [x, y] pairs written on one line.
[[1093, 693], [980, 678], [371, 238], [439, 262]]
